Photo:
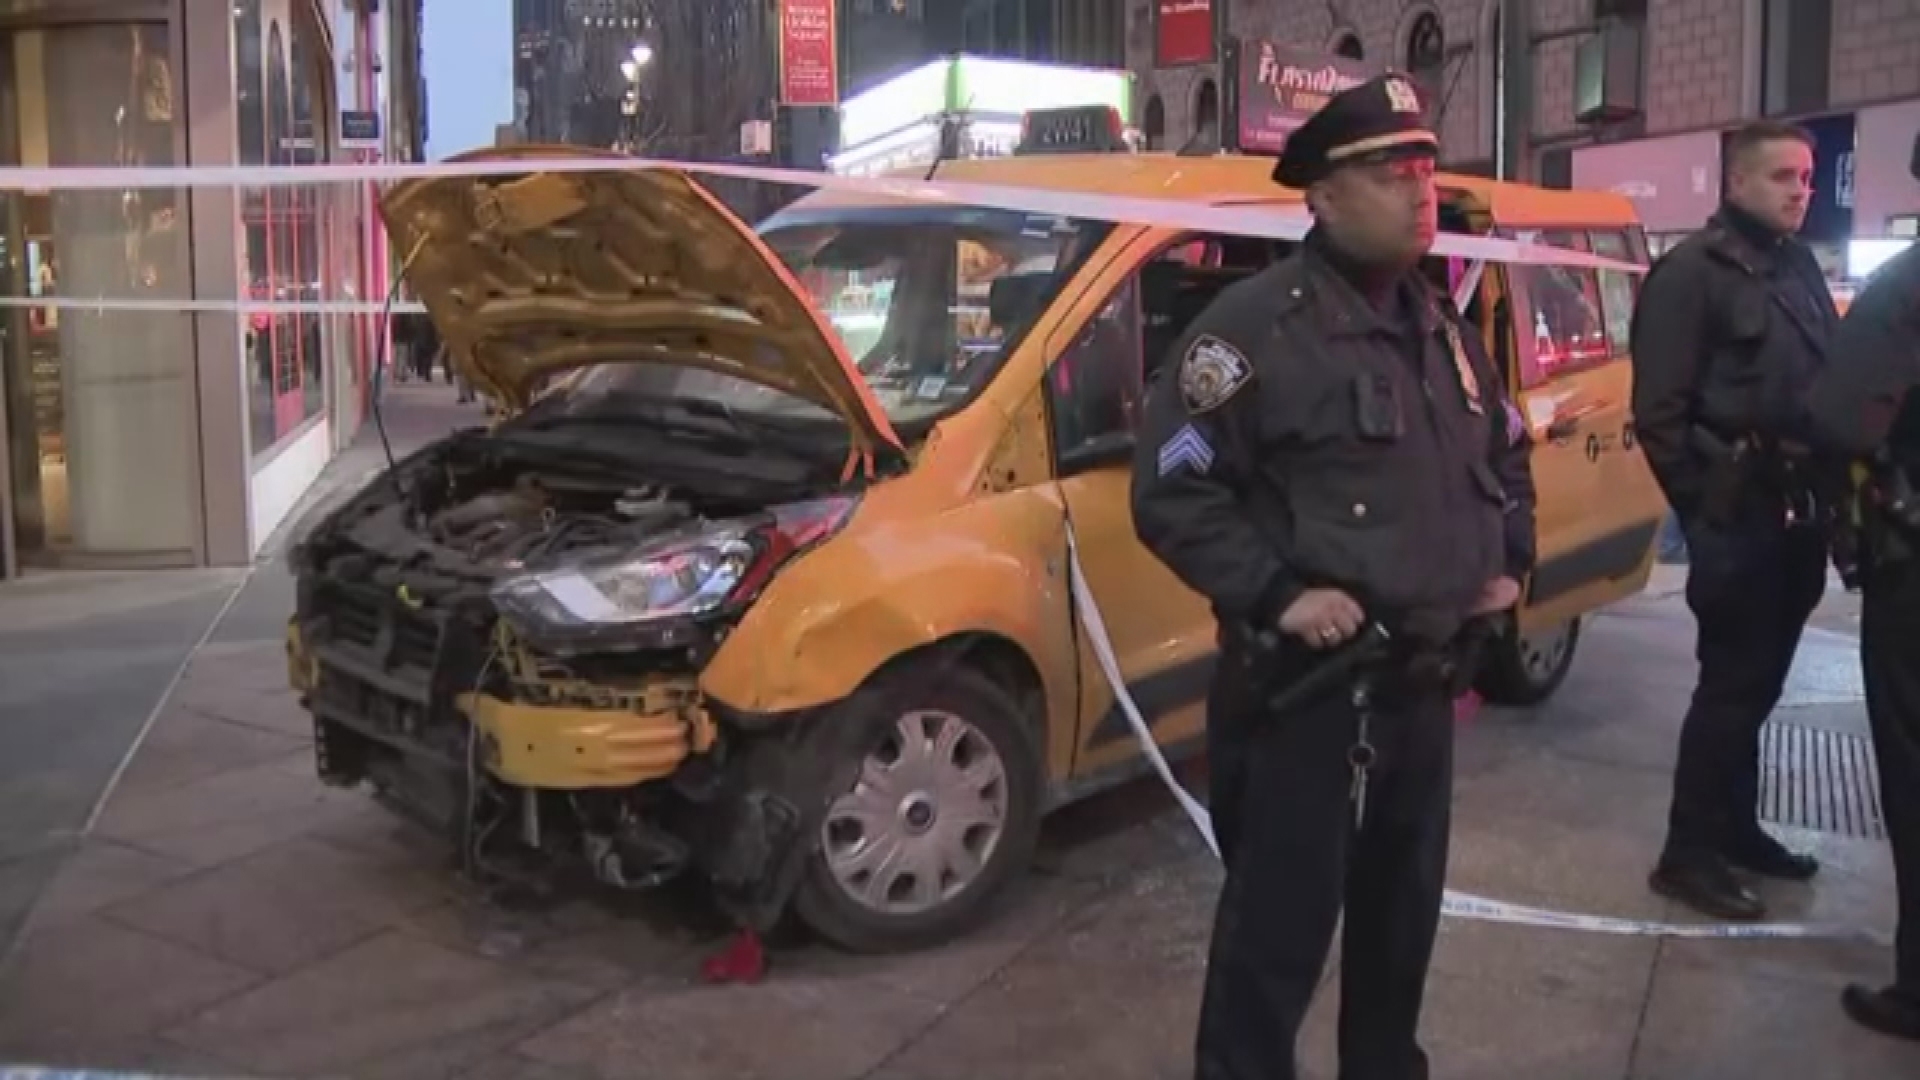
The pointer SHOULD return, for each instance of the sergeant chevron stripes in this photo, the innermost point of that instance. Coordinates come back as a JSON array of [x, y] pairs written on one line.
[[1187, 448]]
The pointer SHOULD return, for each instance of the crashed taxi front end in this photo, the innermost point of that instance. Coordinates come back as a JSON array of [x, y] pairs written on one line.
[[503, 636]]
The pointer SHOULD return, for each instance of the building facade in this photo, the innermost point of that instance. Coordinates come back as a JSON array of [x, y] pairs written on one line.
[[1590, 93], [569, 78], [883, 38], [146, 436]]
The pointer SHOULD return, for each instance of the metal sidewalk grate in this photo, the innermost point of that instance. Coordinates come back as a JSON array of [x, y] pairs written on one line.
[[1811, 778]]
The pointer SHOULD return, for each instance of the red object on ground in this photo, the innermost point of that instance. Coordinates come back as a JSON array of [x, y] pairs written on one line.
[[1466, 707], [744, 961]]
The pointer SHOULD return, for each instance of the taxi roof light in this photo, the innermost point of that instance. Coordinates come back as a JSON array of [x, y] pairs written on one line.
[[1075, 129]]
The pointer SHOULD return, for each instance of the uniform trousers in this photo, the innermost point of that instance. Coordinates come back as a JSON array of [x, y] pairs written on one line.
[[1751, 588], [1890, 664], [1282, 811]]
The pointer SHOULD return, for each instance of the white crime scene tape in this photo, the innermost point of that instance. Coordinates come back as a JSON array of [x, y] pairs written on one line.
[[1279, 221], [1455, 904]]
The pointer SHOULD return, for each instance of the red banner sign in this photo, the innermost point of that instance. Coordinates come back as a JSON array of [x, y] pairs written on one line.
[[1280, 86], [809, 53], [1183, 32]]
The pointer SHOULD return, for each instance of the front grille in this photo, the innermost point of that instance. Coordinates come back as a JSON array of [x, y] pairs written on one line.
[[391, 632], [390, 671]]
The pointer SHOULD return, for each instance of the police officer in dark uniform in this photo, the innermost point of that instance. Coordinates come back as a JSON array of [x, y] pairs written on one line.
[[1730, 328], [1332, 460], [1862, 407]]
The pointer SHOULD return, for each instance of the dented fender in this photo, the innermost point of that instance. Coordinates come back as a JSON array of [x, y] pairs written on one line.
[[896, 581]]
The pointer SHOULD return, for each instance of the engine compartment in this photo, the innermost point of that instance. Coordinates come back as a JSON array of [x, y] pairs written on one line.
[[478, 508]]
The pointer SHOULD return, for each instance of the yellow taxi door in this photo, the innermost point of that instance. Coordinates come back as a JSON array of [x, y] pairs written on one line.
[[1161, 631], [1635, 500], [1596, 530]]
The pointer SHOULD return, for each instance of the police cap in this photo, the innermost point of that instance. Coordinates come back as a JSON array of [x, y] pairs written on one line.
[[1382, 119]]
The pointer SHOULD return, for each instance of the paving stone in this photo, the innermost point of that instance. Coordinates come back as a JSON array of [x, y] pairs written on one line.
[[515, 1067], [224, 817], [1114, 994], [390, 1006], [185, 746], [820, 1015], [102, 873], [143, 1055], [1717, 1025], [283, 908], [89, 981]]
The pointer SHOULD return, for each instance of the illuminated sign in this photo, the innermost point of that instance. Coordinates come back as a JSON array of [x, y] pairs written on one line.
[[1281, 85], [977, 85]]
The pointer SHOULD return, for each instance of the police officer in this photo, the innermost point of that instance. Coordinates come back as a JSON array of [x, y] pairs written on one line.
[[1330, 453], [1862, 408], [1730, 328]]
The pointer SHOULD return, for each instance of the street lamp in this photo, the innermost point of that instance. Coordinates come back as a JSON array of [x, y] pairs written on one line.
[[640, 56]]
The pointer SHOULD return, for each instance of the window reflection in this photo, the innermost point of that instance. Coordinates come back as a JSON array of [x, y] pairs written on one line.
[[1565, 330], [277, 121]]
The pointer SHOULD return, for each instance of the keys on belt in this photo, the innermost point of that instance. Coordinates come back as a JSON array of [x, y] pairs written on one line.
[[1361, 755]]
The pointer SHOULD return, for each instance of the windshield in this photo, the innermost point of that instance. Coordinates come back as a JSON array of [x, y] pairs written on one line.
[[926, 300]]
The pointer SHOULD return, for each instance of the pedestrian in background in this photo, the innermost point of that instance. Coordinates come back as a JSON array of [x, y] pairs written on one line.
[[1408, 507], [1730, 328]]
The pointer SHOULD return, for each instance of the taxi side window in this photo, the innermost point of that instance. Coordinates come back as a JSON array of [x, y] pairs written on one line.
[[1561, 326], [1094, 387], [1617, 290]]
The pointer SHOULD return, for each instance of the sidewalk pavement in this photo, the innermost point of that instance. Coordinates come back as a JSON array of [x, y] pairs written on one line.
[[86, 657], [228, 916]]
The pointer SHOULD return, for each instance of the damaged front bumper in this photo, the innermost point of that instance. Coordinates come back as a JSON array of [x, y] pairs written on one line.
[[572, 748], [536, 775], [646, 735]]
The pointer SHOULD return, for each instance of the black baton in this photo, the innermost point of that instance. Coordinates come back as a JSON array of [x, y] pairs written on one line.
[[1369, 644]]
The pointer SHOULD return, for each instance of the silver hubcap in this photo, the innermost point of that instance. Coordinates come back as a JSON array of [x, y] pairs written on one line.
[[923, 819], [1542, 654]]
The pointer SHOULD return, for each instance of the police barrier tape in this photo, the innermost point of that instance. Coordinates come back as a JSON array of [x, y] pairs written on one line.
[[1458, 905], [1278, 221]]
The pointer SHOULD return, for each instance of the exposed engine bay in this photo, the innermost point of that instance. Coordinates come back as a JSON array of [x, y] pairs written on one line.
[[473, 522], [405, 643]]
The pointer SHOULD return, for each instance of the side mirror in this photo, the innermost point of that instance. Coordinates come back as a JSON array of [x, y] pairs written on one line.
[[1913, 165]]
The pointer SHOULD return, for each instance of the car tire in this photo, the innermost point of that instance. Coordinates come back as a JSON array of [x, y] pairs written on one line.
[[1525, 669], [908, 720]]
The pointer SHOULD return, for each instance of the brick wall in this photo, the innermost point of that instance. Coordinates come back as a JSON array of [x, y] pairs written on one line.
[[1694, 58], [1692, 65], [1382, 26], [1876, 51]]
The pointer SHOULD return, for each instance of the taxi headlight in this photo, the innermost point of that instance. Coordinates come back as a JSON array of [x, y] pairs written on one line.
[[653, 596]]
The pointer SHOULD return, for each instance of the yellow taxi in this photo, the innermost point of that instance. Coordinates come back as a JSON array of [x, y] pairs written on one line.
[[763, 576]]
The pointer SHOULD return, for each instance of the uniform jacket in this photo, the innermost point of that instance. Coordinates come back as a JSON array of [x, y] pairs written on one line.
[[1296, 437], [1729, 330]]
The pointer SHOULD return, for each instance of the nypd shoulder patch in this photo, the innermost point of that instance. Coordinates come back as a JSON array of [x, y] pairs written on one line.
[[1187, 449], [1211, 373]]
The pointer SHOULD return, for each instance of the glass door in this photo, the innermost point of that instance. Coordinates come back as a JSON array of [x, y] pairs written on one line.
[[101, 427]]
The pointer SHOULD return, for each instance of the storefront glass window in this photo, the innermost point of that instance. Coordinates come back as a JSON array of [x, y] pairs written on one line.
[[286, 354], [99, 413]]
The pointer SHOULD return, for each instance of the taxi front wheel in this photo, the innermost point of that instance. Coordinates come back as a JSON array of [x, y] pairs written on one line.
[[1526, 668], [935, 809]]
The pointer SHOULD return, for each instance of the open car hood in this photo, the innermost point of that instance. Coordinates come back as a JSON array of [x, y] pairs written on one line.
[[531, 275]]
